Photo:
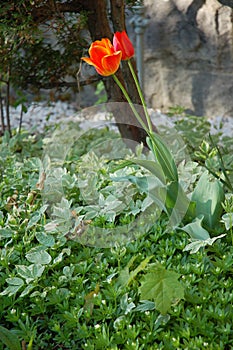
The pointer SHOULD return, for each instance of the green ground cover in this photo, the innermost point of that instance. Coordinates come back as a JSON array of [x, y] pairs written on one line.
[[64, 287]]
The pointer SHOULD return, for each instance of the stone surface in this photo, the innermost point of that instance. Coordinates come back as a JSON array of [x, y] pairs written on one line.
[[189, 56]]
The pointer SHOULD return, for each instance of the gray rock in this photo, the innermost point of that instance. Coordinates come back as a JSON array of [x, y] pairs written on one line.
[[189, 56]]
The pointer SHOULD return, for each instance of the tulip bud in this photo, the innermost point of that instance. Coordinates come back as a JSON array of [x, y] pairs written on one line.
[[121, 42]]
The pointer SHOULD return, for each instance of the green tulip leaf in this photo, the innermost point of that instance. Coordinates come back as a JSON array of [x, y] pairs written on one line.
[[163, 156], [208, 196], [154, 167]]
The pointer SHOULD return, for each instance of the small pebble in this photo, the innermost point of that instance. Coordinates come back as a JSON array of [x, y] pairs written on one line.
[[41, 114]]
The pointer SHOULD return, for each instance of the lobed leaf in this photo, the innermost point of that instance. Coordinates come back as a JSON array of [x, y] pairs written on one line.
[[163, 287]]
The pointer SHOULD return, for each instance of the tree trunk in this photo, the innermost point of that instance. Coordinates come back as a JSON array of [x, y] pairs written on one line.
[[99, 27]]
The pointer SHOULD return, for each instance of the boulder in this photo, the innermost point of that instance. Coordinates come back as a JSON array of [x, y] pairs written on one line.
[[188, 56]]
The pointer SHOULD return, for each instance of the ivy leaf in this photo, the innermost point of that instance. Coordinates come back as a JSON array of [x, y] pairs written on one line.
[[195, 230], [163, 287], [62, 216], [15, 284], [6, 233], [227, 219], [161, 320], [36, 217], [45, 239], [145, 305], [27, 290], [38, 255], [31, 272], [195, 245]]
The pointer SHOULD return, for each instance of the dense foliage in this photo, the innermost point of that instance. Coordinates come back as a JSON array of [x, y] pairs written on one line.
[[37, 54], [142, 293]]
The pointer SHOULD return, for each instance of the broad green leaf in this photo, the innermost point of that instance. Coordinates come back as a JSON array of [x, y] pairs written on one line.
[[163, 287], [178, 204], [15, 284], [140, 182], [154, 167], [208, 196], [196, 231], [9, 339], [38, 255], [30, 272]]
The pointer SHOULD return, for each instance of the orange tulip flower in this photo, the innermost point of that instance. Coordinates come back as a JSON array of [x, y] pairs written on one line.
[[121, 42], [103, 57]]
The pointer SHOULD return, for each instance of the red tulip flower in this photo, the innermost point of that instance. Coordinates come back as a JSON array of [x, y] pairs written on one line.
[[121, 42], [104, 57]]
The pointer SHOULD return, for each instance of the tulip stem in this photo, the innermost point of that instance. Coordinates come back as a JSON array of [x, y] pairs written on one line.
[[125, 93], [141, 96]]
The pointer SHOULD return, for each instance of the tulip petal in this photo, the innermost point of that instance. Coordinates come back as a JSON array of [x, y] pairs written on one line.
[[98, 68], [103, 57], [87, 60], [105, 44], [99, 49], [108, 45], [111, 63], [116, 42]]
